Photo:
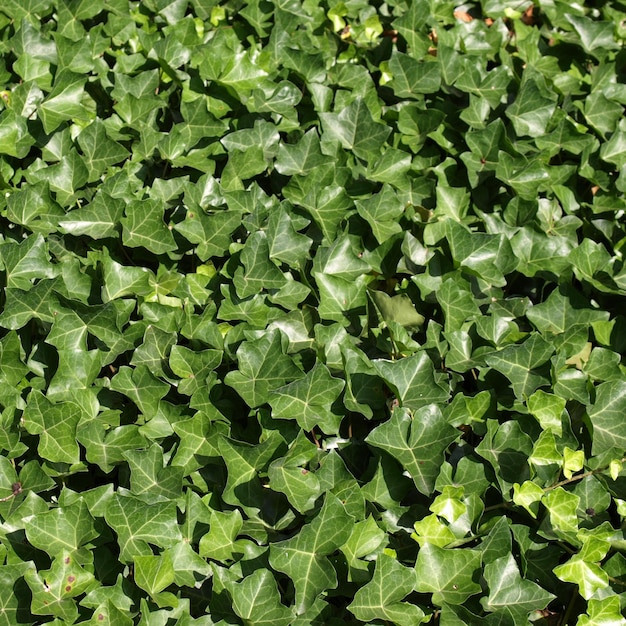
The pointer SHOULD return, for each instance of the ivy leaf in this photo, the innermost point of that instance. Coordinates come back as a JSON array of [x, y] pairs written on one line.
[[149, 476], [56, 426], [65, 528], [259, 272], [309, 399], [509, 593], [412, 77], [98, 150], [263, 368], [382, 597], [257, 601], [413, 379], [302, 157], [518, 363], [593, 34], [532, 110], [243, 462], [304, 557], [417, 441], [26, 261], [451, 575], [12, 608], [605, 415], [218, 542], [54, 590], [138, 524], [66, 101], [143, 226], [355, 129], [153, 573], [211, 233]]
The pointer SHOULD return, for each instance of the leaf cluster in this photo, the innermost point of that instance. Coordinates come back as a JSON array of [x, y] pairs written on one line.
[[312, 312]]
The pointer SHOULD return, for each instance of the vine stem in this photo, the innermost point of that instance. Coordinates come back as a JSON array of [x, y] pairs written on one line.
[[578, 477]]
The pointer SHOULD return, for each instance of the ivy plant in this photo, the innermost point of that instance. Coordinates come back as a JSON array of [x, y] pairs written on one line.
[[312, 312]]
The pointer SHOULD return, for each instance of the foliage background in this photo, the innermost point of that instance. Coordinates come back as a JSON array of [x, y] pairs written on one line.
[[312, 312]]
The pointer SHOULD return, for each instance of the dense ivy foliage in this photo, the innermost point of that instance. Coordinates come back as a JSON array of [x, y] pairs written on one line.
[[313, 312]]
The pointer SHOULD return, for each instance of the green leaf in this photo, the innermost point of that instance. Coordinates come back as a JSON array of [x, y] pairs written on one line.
[[264, 367], [142, 225], [589, 577], [56, 426], [139, 524], [488, 256], [304, 557], [257, 601], [243, 462], [382, 211], [451, 575], [12, 608], [602, 613], [309, 399], [54, 589], [154, 573], [259, 272], [98, 150], [98, 219], [606, 417], [518, 363], [26, 261], [417, 442], [210, 233], [532, 110], [509, 594], [302, 157], [413, 380], [67, 101], [355, 129], [65, 528], [382, 597], [218, 542], [593, 34], [149, 476]]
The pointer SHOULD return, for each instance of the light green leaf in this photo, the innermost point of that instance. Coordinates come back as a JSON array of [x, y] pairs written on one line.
[[153, 573], [218, 543], [257, 601], [606, 413], [451, 575], [54, 590], [509, 594], [382, 597]]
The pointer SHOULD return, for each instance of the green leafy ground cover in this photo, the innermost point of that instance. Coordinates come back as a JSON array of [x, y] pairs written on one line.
[[313, 312]]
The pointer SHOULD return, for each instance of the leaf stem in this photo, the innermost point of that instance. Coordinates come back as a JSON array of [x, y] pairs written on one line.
[[578, 477]]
